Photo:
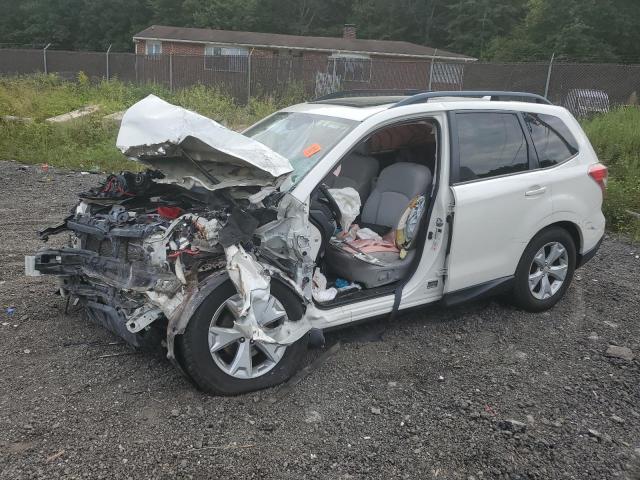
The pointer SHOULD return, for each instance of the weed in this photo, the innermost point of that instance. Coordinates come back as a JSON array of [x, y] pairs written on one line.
[[89, 142], [616, 138]]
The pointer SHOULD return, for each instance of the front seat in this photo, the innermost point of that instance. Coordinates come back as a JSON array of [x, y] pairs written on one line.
[[397, 186], [358, 170]]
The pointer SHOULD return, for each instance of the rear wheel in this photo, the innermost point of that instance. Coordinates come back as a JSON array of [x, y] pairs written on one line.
[[219, 356], [545, 270]]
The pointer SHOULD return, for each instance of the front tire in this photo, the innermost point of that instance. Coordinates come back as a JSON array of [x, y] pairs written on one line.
[[221, 361], [545, 270]]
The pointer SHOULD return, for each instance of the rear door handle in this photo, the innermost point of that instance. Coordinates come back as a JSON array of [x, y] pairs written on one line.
[[535, 191]]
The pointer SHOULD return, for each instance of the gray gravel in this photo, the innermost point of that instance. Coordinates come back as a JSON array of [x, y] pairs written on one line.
[[481, 391]]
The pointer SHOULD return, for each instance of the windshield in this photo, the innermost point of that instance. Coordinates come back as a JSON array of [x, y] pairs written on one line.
[[302, 138]]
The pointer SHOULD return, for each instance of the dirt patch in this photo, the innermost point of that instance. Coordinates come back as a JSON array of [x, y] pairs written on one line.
[[481, 391]]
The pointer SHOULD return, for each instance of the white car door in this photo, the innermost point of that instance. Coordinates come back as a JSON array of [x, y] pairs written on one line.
[[500, 196]]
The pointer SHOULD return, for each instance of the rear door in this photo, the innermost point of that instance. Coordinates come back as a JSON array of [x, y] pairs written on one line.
[[566, 159], [500, 196]]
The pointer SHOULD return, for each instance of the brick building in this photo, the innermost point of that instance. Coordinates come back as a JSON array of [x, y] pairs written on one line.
[[246, 60]]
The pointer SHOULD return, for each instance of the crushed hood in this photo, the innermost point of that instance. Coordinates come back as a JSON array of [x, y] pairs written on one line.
[[190, 149]]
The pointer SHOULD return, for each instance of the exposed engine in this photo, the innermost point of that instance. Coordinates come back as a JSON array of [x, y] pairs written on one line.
[[137, 248]]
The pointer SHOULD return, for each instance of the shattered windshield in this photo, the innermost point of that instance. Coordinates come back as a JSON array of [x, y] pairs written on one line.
[[302, 138]]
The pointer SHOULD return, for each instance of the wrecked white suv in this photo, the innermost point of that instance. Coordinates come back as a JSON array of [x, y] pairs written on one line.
[[233, 248]]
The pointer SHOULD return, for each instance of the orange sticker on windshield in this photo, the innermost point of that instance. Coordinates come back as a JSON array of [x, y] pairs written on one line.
[[311, 150]]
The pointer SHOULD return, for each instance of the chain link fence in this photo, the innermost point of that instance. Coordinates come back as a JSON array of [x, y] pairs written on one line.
[[583, 88]]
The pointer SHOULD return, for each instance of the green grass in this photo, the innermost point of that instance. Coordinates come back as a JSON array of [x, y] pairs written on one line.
[[89, 143], [616, 139]]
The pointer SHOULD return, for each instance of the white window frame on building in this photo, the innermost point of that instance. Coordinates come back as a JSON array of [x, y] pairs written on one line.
[[350, 67], [153, 47], [220, 58]]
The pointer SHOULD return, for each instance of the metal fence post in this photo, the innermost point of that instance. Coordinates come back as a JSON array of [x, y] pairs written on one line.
[[44, 58], [249, 76], [546, 87], [108, 51], [171, 71], [431, 69]]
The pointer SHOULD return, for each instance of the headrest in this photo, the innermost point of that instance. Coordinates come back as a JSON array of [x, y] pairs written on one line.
[[362, 148]]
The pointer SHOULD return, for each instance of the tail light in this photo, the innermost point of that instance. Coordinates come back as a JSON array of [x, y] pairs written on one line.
[[599, 173]]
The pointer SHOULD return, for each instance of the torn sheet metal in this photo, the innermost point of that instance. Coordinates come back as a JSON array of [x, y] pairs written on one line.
[[247, 276], [285, 241], [252, 281], [191, 149]]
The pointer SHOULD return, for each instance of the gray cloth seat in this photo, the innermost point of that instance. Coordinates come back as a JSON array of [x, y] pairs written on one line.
[[358, 170], [397, 185]]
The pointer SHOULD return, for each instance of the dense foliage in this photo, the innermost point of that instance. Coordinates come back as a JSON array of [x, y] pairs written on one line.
[[599, 30]]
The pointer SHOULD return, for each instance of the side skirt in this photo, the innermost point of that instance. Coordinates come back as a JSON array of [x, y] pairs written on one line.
[[487, 289]]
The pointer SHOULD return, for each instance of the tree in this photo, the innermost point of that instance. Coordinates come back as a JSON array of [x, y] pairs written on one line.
[[489, 29], [409, 20], [221, 14], [74, 24], [472, 24], [598, 30]]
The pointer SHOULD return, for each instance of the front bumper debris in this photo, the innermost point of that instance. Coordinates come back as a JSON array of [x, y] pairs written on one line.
[[134, 276]]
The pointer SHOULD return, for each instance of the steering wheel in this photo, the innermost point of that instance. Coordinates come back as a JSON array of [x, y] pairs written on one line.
[[331, 203]]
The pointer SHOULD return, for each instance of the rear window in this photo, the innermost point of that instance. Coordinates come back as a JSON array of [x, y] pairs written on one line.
[[552, 139], [490, 144]]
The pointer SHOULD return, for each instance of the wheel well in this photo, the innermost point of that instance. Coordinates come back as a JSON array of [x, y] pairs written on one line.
[[573, 230]]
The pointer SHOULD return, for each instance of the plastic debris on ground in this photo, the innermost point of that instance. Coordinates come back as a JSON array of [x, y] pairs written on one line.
[[11, 311], [319, 288]]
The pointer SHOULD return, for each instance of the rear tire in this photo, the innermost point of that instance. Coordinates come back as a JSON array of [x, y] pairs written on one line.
[[545, 270], [208, 374]]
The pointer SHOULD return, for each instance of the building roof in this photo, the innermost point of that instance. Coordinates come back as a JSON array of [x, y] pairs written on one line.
[[295, 42]]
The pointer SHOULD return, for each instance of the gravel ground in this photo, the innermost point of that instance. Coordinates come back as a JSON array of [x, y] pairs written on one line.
[[481, 391]]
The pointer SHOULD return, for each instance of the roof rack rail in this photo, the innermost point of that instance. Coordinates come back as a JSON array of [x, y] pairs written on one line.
[[368, 93], [494, 96]]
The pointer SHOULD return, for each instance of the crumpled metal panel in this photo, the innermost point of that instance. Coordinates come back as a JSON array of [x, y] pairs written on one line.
[[160, 134]]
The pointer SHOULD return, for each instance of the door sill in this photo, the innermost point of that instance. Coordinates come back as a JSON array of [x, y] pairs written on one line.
[[357, 296]]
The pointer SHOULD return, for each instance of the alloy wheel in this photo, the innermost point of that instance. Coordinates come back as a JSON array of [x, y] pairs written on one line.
[[548, 270], [239, 356]]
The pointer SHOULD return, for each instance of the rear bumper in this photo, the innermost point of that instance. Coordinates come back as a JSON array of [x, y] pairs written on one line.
[[588, 255]]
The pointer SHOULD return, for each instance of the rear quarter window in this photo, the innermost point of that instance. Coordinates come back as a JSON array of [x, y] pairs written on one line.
[[553, 141]]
